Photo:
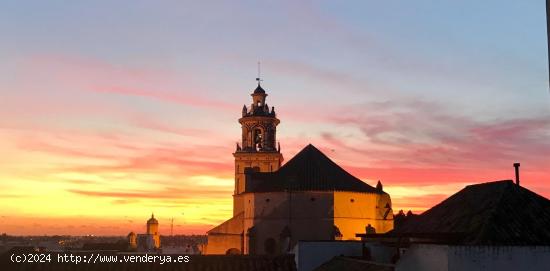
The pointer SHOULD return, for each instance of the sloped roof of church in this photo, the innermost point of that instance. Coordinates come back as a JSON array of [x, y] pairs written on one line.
[[232, 226], [494, 213], [309, 170]]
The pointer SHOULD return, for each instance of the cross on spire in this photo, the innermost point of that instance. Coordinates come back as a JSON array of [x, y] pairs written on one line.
[[259, 79]]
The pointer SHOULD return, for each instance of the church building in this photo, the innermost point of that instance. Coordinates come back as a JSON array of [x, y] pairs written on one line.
[[149, 241], [308, 198]]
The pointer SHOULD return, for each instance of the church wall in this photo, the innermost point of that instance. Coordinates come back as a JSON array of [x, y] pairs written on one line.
[[225, 236], [311, 217], [220, 243], [385, 224], [353, 211], [264, 162], [238, 204]]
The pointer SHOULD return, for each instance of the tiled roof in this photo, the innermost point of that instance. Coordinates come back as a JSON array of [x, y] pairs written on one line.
[[495, 213], [309, 170]]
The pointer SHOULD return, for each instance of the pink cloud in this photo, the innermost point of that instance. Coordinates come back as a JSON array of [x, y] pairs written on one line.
[[176, 161], [74, 76], [424, 176], [177, 97], [428, 135], [149, 123]]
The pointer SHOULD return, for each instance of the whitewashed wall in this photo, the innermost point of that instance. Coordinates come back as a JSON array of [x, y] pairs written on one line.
[[311, 254], [474, 258], [499, 258], [424, 257]]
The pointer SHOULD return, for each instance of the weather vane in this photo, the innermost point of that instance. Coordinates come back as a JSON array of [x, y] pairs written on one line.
[[259, 78]]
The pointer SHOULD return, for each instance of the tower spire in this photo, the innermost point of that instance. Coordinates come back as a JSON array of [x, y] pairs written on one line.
[[259, 78]]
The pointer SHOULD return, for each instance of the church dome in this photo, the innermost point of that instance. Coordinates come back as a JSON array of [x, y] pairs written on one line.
[[259, 90], [152, 220]]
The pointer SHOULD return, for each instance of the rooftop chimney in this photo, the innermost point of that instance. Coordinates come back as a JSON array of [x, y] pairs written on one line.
[[516, 166]]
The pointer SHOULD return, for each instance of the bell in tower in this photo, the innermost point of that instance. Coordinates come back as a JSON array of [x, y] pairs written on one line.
[[258, 149], [258, 124]]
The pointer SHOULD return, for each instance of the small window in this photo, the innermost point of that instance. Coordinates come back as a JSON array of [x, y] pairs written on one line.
[[312, 199], [352, 200], [267, 200]]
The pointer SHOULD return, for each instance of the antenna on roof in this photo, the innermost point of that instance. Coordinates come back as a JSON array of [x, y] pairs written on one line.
[[516, 166], [172, 227], [259, 74]]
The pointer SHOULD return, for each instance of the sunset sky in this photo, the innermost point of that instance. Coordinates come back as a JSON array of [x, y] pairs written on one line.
[[111, 110]]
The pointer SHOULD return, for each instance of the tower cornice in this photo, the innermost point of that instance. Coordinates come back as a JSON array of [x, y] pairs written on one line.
[[245, 119]]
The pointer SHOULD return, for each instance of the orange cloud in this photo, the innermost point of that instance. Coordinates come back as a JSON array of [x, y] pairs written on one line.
[[167, 193]]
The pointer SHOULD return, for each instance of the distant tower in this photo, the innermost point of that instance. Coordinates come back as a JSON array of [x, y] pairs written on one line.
[[153, 229], [132, 240], [258, 149]]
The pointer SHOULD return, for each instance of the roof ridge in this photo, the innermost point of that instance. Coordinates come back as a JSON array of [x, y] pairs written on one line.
[[489, 183], [309, 169], [311, 149]]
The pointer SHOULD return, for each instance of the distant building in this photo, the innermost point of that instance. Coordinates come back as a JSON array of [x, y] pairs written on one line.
[[308, 198], [150, 241], [132, 240], [490, 226]]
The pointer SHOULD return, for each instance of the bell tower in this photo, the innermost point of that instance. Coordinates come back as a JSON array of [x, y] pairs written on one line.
[[258, 149]]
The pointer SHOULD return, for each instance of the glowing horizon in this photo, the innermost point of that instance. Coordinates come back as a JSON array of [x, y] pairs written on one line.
[[103, 122]]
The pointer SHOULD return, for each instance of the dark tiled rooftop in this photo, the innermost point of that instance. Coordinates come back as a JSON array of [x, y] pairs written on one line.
[[309, 170], [495, 213]]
